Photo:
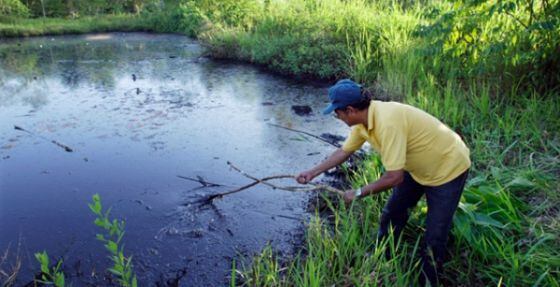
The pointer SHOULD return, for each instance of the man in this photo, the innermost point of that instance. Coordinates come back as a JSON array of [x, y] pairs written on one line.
[[421, 156]]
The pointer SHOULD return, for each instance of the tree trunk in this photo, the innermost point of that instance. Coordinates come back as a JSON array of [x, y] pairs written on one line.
[[43, 7]]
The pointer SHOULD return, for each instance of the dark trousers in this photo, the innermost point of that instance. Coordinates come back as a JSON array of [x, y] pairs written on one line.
[[442, 203]]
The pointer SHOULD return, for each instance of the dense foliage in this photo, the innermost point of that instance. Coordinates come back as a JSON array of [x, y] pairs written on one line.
[[13, 8], [75, 8], [507, 40]]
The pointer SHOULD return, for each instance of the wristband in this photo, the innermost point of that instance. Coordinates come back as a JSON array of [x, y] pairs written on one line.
[[358, 192]]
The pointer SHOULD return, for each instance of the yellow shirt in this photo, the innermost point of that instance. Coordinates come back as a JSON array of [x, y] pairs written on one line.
[[411, 139]]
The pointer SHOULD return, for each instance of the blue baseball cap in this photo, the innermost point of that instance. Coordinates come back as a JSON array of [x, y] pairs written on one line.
[[345, 92]]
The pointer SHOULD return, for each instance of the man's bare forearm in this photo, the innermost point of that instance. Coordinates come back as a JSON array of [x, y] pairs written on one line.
[[388, 180]]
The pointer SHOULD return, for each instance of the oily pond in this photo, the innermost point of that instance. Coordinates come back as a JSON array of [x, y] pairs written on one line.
[[125, 115]]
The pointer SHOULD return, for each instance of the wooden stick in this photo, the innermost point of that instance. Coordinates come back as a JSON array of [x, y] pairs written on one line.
[[317, 186], [264, 180], [65, 147], [200, 180], [306, 133]]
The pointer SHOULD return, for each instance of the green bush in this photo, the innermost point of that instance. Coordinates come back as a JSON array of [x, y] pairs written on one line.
[[13, 8], [514, 42]]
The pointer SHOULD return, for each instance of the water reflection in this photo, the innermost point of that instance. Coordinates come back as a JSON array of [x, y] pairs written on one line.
[[138, 110]]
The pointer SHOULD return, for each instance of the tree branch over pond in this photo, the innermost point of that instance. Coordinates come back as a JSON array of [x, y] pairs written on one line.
[[265, 180]]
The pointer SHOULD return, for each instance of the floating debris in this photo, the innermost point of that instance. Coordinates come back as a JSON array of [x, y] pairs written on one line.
[[65, 147], [302, 110]]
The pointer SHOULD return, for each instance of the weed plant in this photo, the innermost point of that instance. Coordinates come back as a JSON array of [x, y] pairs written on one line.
[[112, 239], [50, 275]]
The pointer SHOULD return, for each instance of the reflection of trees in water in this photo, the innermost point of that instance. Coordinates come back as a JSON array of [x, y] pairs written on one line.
[[18, 62], [75, 64], [159, 63], [232, 80], [79, 62]]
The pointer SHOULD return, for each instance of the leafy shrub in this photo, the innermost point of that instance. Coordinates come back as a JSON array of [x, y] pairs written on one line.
[[13, 8], [515, 42], [230, 13]]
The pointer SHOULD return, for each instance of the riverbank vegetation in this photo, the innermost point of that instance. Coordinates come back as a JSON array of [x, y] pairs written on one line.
[[488, 69]]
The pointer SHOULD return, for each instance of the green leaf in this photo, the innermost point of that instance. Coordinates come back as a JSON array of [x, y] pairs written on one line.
[[112, 246], [100, 222], [59, 280], [476, 181], [485, 220], [114, 271], [119, 267], [43, 259], [521, 183]]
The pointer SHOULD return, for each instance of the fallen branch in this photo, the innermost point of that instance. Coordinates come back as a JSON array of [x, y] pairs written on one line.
[[65, 147], [307, 133], [262, 180], [356, 155], [314, 186], [200, 180]]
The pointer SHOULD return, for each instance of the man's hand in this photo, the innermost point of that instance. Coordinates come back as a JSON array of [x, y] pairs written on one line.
[[349, 196], [336, 158], [305, 176]]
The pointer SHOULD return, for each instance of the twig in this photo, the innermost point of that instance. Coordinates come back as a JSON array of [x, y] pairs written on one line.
[[200, 180], [317, 186], [306, 133], [65, 147], [356, 155], [264, 180], [257, 181], [8, 277]]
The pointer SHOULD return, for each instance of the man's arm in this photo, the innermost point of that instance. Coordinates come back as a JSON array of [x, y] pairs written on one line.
[[388, 180], [337, 157]]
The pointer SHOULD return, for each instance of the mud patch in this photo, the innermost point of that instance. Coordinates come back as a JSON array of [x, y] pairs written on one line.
[[303, 111]]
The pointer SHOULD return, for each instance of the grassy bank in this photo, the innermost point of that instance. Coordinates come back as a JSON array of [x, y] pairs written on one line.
[[18, 27], [488, 70]]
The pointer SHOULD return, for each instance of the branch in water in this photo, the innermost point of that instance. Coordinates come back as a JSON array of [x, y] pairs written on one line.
[[264, 180], [306, 133], [200, 180], [65, 147]]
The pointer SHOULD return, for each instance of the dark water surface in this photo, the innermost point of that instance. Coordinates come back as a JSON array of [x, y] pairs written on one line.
[[138, 110]]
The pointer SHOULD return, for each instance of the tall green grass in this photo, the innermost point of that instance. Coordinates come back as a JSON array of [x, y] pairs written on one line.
[[495, 243]]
